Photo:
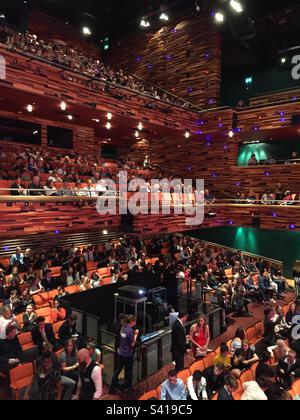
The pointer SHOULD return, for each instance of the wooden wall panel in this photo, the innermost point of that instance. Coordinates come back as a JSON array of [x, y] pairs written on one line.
[[183, 58]]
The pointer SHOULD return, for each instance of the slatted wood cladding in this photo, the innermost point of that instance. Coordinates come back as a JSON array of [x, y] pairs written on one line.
[[183, 58]]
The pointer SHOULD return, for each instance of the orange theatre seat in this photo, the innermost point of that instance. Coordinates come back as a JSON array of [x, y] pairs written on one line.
[[25, 339], [199, 365], [41, 300], [246, 376], [184, 375], [20, 377], [209, 360], [148, 395], [56, 327]]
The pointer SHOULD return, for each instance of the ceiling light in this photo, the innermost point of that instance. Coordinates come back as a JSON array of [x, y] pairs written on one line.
[[187, 134], [70, 117], [283, 60], [136, 134], [236, 6], [219, 17], [63, 106], [2, 16], [109, 115], [86, 31], [29, 108], [96, 120], [231, 134], [140, 126], [164, 16], [105, 232], [145, 23], [108, 125]]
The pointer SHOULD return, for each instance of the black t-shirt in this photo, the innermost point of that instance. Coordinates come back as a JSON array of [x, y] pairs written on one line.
[[247, 356]]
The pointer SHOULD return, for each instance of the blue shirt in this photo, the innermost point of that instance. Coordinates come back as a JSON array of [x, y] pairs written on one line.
[[127, 337], [17, 258], [171, 392]]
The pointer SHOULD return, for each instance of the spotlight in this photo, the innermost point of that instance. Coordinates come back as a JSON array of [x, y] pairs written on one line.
[[136, 134], [219, 17], [2, 16], [29, 108], [140, 126], [108, 126], [105, 232], [283, 60], [145, 23], [96, 120], [187, 134], [164, 17], [231, 134], [197, 6], [109, 116], [86, 31], [63, 106], [236, 6], [70, 117]]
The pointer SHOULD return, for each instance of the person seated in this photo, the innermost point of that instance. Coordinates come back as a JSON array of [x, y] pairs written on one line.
[[14, 302], [95, 353], [29, 319], [46, 384], [50, 189], [215, 379], [96, 280], [199, 336], [245, 357], [147, 163], [240, 301], [253, 161], [68, 329], [279, 351], [223, 358], [11, 353], [251, 197], [270, 337], [18, 188], [43, 334], [288, 199], [48, 282], [264, 368], [57, 312], [208, 198], [17, 259], [254, 390], [288, 370], [68, 361], [230, 386], [90, 190], [267, 198], [196, 387], [236, 343], [7, 318], [270, 161], [61, 293], [35, 188], [173, 389]]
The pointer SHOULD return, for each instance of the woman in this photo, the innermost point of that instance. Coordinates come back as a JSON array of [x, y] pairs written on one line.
[[291, 313], [57, 313], [68, 360], [279, 351], [50, 189], [84, 284], [282, 328], [26, 298], [95, 353], [200, 337], [34, 285], [236, 343], [96, 280], [29, 318], [14, 303], [244, 357], [14, 277], [223, 358], [70, 277]]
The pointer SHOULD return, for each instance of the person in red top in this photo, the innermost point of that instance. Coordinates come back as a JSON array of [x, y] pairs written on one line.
[[57, 313], [200, 337]]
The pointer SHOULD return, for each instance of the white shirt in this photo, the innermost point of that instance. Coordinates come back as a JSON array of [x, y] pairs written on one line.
[[201, 389], [97, 379], [252, 392], [4, 324]]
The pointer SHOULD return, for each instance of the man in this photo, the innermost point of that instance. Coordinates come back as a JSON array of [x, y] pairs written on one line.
[[254, 391], [11, 353], [178, 346], [46, 384], [269, 328], [215, 380], [7, 318], [225, 393], [173, 389], [43, 334], [288, 369], [48, 282], [68, 329], [90, 381], [35, 188], [196, 387], [17, 259], [127, 343], [263, 368], [90, 189]]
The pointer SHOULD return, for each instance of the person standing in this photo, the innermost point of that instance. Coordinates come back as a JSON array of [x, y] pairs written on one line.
[[178, 346], [90, 378], [128, 338]]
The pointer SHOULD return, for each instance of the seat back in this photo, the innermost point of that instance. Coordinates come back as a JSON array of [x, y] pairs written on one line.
[[184, 375], [246, 376], [199, 365], [148, 395], [209, 360], [41, 300]]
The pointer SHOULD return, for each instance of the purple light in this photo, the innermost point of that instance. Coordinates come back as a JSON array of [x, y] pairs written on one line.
[[226, 147], [214, 175], [199, 132], [230, 222], [138, 59], [56, 232], [174, 31], [206, 56], [189, 168], [267, 173], [208, 143], [238, 184], [6, 248], [274, 214], [282, 119], [294, 98], [237, 130], [201, 122], [149, 66], [292, 227], [168, 57], [190, 90], [281, 113], [211, 101], [255, 128]]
